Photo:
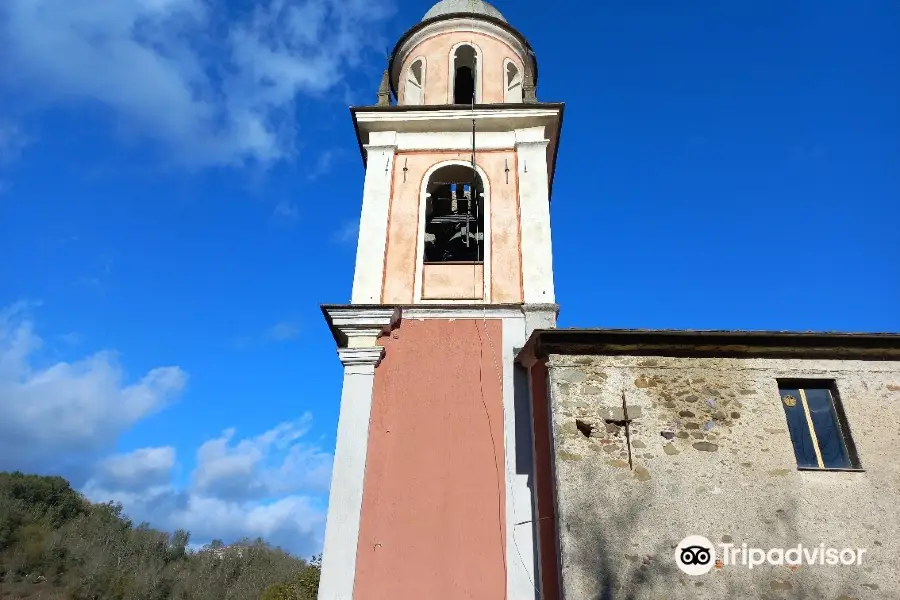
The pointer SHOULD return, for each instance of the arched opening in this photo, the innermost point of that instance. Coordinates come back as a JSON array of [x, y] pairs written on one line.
[[415, 83], [465, 70], [513, 91], [454, 216]]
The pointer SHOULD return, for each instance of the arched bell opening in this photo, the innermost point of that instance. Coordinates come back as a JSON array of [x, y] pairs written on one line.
[[454, 216]]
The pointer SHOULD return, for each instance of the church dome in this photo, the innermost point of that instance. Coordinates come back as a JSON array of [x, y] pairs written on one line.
[[449, 7]]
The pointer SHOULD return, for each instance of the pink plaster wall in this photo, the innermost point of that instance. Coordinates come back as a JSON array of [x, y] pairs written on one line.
[[432, 521], [403, 226], [450, 281], [436, 51], [506, 255]]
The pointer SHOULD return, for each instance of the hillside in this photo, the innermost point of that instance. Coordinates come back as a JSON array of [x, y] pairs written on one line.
[[55, 545]]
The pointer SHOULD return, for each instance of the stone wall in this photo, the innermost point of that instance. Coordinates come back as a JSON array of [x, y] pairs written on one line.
[[711, 456]]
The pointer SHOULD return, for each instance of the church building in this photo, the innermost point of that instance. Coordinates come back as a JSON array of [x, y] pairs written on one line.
[[484, 454]]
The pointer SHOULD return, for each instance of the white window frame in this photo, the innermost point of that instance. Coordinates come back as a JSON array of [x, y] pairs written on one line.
[[519, 96], [479, 71], [406, 82], [420, 242]]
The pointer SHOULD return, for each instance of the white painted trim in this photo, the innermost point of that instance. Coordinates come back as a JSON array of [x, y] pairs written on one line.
[[381, 139], [361, 360], [421, 312], [348, 476], [534, 214], [406, 80], [445, 301], [373, 221], [529, 135], [539, 316], [347, 318], [521, 94], [539, 145], [520, 546], [459, 141], [363, 326], [363, 321], [420, 244], [458, 25], [479, 71], [430, 117], [354, 315]]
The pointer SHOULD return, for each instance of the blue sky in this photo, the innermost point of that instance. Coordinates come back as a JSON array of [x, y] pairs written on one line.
[[180, 184]]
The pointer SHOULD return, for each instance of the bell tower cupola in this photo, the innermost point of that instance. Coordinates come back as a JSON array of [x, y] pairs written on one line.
[[452, 58]]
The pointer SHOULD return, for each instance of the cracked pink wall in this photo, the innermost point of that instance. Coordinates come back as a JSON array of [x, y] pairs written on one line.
[[434, 502]]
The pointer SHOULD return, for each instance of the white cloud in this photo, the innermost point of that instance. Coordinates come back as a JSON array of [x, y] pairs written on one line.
[[279, 332], [72, 339], [50, 413], [12, 142], [65, 418], [347, 233], [136, 471], [282, 331], [295, 522], [266, 486], [287, 211], [215, 87], [323, 164], [276, 463]]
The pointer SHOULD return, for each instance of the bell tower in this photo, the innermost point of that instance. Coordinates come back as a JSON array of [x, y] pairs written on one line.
[[432, 493]]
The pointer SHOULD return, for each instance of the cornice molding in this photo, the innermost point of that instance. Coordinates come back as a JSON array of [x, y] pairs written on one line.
[[368, 317], [366, 357], [380, 147], [438, 120], [360, 327]]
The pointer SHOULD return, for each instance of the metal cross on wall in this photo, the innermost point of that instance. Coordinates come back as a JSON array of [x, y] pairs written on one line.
[[623, 418]]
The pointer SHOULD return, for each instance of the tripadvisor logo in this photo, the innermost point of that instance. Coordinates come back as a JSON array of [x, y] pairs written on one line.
[[696, 555]]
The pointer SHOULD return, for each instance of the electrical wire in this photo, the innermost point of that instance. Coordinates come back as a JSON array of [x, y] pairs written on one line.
[[500, 379]]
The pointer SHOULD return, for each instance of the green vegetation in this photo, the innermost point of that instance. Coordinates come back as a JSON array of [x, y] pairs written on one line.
[[55, 545]]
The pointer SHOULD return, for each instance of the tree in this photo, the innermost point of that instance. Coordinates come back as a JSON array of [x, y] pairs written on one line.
[[56, 545]]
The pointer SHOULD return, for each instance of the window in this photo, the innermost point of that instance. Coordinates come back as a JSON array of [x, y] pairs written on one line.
[[817, 424], [513, 91], [465, 69], [454, 216], [415, 83]]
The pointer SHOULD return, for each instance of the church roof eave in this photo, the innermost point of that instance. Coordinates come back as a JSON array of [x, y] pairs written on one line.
[[710, 343]]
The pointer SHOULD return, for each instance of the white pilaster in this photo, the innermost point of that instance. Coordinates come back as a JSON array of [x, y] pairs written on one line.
[[534, 208], [359, 330], [370, 251], [520, 575], [539, 316], [345, 500]]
